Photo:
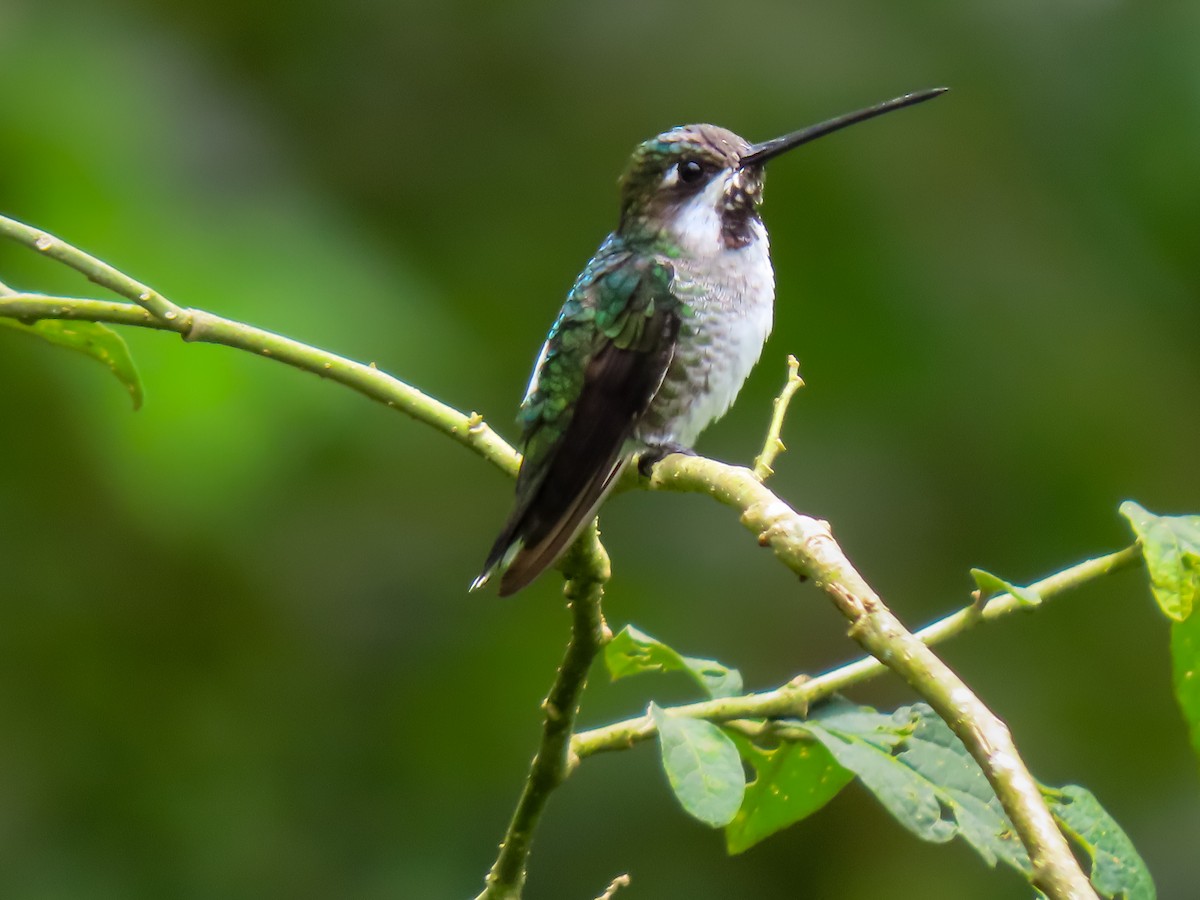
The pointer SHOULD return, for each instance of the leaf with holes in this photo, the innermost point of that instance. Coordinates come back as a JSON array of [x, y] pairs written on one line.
[[792, 781], [936, 754], [1117, 870], [865, 742], [922, 774]]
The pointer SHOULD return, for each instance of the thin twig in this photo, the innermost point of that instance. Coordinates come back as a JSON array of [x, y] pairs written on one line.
[[773, 445], [586, 569], [197, 325], [93, 269], [795, 697]]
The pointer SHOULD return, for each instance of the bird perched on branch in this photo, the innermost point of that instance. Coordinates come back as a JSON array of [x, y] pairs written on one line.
[[656, 337]]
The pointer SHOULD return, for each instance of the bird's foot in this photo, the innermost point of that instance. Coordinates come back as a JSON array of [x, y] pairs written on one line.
[[652, 456]]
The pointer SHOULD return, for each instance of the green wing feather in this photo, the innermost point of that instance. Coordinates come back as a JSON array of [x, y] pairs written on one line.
[[602, 364]]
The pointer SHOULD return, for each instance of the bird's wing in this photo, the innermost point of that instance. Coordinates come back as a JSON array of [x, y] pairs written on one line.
[[605, 359]]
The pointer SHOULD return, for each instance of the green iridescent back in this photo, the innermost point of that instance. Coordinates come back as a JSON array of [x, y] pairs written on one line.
[[614, 299]]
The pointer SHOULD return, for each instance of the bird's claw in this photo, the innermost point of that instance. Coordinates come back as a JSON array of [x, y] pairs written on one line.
[[652, 456]]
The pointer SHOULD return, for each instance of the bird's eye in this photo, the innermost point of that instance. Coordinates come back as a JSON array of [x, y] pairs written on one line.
[[691, 171]]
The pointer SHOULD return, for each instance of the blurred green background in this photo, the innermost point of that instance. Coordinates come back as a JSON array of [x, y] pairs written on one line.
[[237, 658]]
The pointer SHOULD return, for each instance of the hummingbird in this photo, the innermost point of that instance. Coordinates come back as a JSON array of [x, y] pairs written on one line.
[[656, 337]]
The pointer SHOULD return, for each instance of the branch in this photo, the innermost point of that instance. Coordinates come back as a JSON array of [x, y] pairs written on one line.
[[806, 546], [586, 568], [803, 544], [197, 325], [795, 697], [153, 310], [93, 269]]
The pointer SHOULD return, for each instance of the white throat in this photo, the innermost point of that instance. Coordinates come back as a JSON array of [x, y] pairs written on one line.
[[697, 228]]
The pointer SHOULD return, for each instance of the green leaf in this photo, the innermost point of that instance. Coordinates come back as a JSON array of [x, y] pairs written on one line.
[[932, 760], [862, 741], [990, 585], [702, 765], [633, 651], [1185, 665], [92, 338], [1171, 548], [886, 730], [792, 782], [936, 754], [923, 775], [1117, 870]]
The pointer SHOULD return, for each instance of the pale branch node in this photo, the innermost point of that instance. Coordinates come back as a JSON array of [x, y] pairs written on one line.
[[802, 543], [773, 445], [795, 697], [585, 569]]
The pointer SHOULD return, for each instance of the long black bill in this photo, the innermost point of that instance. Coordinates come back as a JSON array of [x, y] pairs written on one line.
[[760, 153]]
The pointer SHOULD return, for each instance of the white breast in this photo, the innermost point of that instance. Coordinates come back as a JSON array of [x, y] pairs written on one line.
[[732, 293]]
